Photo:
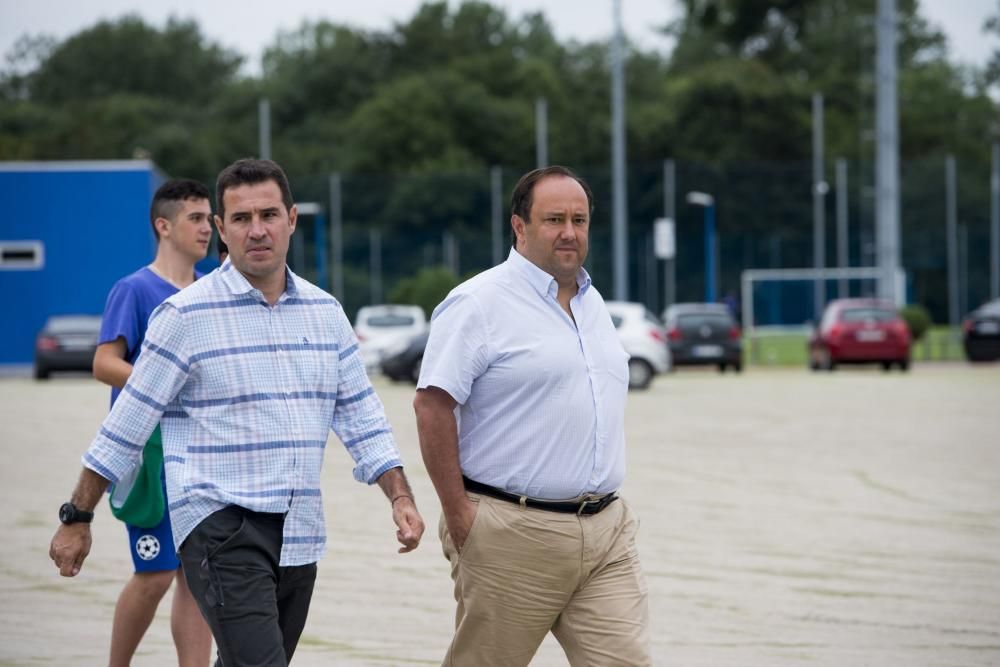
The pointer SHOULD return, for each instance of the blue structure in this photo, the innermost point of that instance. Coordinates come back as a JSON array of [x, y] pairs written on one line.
[[68, 232]]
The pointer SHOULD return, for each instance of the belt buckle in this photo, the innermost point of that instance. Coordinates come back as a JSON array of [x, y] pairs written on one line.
[[589, 501]]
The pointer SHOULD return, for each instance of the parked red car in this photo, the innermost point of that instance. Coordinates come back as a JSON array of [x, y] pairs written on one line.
[[858, 331]]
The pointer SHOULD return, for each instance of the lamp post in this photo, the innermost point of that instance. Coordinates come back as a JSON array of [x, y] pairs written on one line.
[[708, 202]]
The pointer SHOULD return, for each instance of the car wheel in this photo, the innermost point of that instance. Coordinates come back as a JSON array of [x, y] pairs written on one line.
[[886, 366], [640, 374], [415, 371], [41, 373], [904, 365], [722, 368], [738, 367]]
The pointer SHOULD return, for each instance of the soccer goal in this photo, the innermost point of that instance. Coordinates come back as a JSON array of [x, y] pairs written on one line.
[[781, 302]]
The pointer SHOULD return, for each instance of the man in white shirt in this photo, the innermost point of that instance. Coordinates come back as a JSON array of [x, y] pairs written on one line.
[[528, 472]]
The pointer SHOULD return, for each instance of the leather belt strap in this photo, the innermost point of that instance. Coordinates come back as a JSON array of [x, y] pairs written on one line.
[[590, 506]]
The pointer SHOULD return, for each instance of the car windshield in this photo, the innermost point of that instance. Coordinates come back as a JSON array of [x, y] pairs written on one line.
[[867, 315], [697, 320], [60, 325], [390, 321]]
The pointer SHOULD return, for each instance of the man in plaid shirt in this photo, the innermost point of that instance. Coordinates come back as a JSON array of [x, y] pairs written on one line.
[[248, 369]]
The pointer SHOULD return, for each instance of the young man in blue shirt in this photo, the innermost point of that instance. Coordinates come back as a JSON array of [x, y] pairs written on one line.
[[180, 215]]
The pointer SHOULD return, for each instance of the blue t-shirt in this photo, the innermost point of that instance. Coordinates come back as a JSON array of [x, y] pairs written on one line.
[[130, 303]]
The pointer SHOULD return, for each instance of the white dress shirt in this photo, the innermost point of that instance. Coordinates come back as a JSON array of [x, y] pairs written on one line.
[[541, 397]]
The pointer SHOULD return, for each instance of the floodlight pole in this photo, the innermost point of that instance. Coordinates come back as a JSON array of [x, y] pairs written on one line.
[[541, 132], [670, 264], [619, 211], [820, 188], [496, 213], [887, 150], [708, 202], [264, 128], [995, 224], [336, 237], [843, 256], [951, 238], [375, 264]]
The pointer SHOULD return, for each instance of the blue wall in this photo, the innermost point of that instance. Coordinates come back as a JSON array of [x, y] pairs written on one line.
[[93, 219]]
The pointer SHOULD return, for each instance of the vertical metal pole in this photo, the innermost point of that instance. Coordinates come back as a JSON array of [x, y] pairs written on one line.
[[963, 270], [710, 292], [541, 132], [375, 264], [843, 256], [449, 251], [951, 240], [320, 248], [496, 213], [995, 224], [264, 127], [336, 238], [651, 279], [819, 206], [299, 249], [669, 212], [619, 212], [887, 151]]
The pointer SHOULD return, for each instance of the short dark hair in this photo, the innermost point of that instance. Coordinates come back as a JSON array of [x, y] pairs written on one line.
[[521, 199], [168, 197], [251, 171]]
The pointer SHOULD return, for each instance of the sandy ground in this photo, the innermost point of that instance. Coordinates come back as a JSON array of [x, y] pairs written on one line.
[[788, 518]]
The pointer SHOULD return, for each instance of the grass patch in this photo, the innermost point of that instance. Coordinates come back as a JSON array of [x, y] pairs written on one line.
[[940, 343]]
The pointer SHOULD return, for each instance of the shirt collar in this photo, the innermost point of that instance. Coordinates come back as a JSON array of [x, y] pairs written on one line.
[[238, 284], [543, 282]]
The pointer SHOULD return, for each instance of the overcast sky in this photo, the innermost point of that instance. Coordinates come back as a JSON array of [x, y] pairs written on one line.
[[247, 26]]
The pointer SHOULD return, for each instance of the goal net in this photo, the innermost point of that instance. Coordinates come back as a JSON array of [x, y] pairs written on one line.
[[782, 302]]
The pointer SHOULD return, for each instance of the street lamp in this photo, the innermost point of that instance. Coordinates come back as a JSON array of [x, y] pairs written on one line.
[[708, 202]]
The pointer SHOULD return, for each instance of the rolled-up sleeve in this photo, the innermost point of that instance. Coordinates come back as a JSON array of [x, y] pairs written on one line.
[[157, 377], [359, 417]]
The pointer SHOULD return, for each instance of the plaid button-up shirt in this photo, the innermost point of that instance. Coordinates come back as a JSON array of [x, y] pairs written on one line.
[[247, 394]]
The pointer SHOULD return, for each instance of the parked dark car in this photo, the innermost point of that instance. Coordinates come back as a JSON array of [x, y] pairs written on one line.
[[66, 343], [859, 331], [402, 362], [981, 332], [704, 334]]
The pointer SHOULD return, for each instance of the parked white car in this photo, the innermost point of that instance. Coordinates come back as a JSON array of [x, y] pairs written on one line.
[[644, 338], [384, 327]]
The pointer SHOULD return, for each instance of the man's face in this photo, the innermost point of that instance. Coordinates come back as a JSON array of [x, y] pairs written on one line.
[[556, 239], [256, 228], [190, 230]]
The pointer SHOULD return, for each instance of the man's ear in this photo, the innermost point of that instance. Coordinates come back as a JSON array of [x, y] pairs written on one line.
[[222, 228], [162, 226], [293, 217], [517, 224]]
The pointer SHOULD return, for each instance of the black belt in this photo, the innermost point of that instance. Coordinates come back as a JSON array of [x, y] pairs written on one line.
[[592, 506]]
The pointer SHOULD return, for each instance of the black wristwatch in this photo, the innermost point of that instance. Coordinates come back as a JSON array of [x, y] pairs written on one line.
[[70, 513]]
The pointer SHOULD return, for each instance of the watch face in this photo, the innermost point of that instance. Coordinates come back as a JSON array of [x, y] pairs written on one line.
[[66, 513]]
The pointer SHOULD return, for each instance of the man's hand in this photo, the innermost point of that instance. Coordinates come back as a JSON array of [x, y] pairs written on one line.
[[409, 523], [70, 546], [459, 522]]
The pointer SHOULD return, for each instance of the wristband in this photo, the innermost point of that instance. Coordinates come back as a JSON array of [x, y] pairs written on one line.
[[402, 495]]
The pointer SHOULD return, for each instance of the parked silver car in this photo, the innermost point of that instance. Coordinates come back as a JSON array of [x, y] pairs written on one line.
[[644, 338]]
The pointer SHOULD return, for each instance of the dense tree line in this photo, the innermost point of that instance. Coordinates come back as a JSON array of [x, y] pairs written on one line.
[[415, 114]]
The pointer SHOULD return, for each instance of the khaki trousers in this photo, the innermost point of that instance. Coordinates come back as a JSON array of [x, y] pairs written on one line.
[[524, 572]]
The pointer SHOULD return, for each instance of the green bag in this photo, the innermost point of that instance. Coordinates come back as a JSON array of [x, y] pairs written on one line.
[[137, 498]]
